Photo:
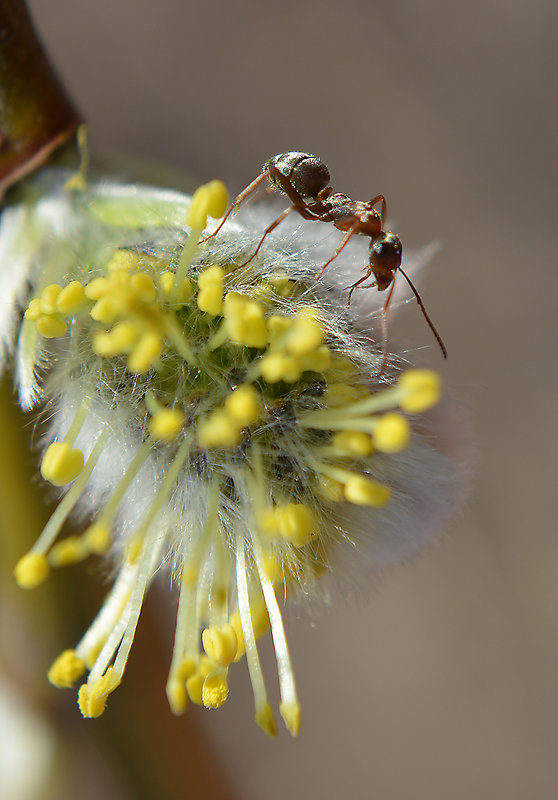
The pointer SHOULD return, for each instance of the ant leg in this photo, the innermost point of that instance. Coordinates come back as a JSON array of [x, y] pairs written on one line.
[[356, 285], [268, 230], [385, 328], [426, 317], [236, 202], [344, 241], [379, 199]]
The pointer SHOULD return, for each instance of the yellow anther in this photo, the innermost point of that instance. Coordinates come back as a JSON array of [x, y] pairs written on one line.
[[366, 492], [210, 295], [218, 430], [66, 669], [211, 199], [277, 367], [166, 280], [278, 326], [97, 288], [234, 621], [68, 551], [281, 284], [107, 309], [245, 321], [48, 298], [353, 443], [292, 521], [194, 687], [272, 566], [330, 489], [392, 433], [306, 334], [92, 699], [264, 718], [70, 298], [318, 361], [51, 327], [145, 353], [205, 666], [123, 260], [291, 714], [420, 390], [143, 287], [31, 570], [177, 696], [98, 537], [120, 339], [220, 644], [260, 617], [61, 464], [165, 425], [243, 405], [215, 690], [210, 299], [218, 198], [343, 394], [33, 311], [133, 549], [296, 523]]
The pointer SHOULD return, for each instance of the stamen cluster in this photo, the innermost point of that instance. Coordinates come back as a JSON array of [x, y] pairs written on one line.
[[217, 420]]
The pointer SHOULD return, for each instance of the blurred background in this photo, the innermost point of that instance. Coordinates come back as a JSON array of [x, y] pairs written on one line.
[[443, 681]]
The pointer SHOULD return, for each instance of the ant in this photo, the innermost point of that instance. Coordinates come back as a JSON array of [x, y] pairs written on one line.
[[305, 180]]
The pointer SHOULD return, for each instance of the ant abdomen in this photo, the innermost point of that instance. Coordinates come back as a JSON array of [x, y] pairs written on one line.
[[306, 173]]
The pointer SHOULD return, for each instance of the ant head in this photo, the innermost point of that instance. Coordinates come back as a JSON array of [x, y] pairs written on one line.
[[307, 173], [385, 258]]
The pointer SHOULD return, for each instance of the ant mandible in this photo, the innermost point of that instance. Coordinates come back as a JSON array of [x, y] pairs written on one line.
[[305, 179]]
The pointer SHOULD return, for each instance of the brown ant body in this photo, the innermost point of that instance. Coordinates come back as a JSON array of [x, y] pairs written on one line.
[[305, 179]]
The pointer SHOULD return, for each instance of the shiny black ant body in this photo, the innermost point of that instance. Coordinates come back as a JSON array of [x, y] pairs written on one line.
[[305, 180]]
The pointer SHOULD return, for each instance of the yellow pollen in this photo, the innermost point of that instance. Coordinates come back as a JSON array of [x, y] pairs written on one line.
[[366, 492], [120, 339], [211, 200], [210, 295], [392, 433], [194, 686], [145, 353], [292, 521], [48, 298], [177, 696], [66, 669], [277, 327], [107, 309], [277, 367], [215, 690], [166, 424], [92, 699], [31, 570], [353, 443], [343, 394], [143, 287], [234, 622], [98, 537], [33, 311], [97, 288], [220, 644], [68, 551], [70, 298], [123, 260], [61, 464], [243, 405], [306, 334], [330, 489], [245, 321], [218, 430], [51, 327], [318, 361], [420, 390]]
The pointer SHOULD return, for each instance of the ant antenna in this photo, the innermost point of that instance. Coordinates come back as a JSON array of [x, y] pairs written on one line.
[[426, 317]]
